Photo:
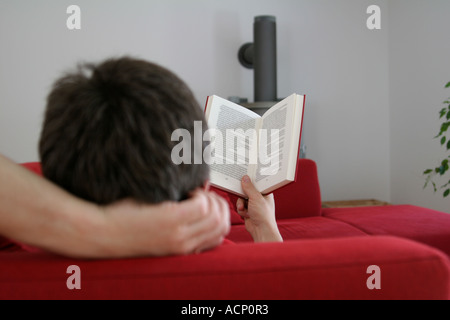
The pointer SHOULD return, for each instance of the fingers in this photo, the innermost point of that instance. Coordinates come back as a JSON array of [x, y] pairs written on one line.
[[223, 212], [242, 207], [194, 208], [206, 221], [210, 231], [249, 188], [252, 193]]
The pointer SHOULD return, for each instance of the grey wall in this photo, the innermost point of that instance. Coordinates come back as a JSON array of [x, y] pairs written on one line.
[[324, 51], [419, 47]]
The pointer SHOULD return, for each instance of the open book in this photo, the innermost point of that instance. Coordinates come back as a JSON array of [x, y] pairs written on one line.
[[265, 147]]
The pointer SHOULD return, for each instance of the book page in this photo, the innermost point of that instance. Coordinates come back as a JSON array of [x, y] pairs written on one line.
[[233, 140], [275, 143]]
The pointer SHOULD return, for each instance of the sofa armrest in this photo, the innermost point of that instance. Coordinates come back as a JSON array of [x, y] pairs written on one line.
[[309, 269]]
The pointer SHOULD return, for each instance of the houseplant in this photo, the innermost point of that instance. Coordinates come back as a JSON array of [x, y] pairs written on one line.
[[444, 139]]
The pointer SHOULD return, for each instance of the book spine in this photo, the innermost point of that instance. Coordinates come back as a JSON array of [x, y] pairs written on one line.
[[300, 139], [206, 104]]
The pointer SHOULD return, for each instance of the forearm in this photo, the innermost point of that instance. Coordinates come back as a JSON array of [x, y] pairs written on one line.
[[36, 212]]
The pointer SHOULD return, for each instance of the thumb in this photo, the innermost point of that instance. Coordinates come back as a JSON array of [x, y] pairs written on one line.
[[249, 188]]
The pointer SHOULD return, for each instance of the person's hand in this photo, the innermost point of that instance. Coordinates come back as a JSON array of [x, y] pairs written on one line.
[[258, 213], [170, 228]]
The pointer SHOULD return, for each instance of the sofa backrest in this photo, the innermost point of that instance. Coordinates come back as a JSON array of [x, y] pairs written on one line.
[[301, 198], [34, 167]]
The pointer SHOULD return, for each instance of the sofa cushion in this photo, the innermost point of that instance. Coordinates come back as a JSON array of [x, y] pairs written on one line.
[[424, 225], [303, 228]]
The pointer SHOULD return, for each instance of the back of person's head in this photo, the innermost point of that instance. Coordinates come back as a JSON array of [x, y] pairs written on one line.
[[107, 133]]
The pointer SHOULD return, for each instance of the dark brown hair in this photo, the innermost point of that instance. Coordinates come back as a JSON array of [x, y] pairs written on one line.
[[107, 132]]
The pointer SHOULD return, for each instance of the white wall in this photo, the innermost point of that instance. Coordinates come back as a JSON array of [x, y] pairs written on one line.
[[419, 48], [324, 51]]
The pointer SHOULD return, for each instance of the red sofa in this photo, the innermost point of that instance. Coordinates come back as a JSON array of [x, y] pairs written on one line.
[[327, 254]]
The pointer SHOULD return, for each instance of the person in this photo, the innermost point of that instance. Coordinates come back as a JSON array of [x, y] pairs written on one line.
[[129, 200], [107, 136], [37, 212]]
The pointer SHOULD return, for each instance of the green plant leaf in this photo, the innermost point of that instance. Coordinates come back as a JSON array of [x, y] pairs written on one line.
[[444, 128], [446, 193], [444, 167]]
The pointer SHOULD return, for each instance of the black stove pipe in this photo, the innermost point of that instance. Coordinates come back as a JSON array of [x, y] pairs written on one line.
[[261, 55]]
